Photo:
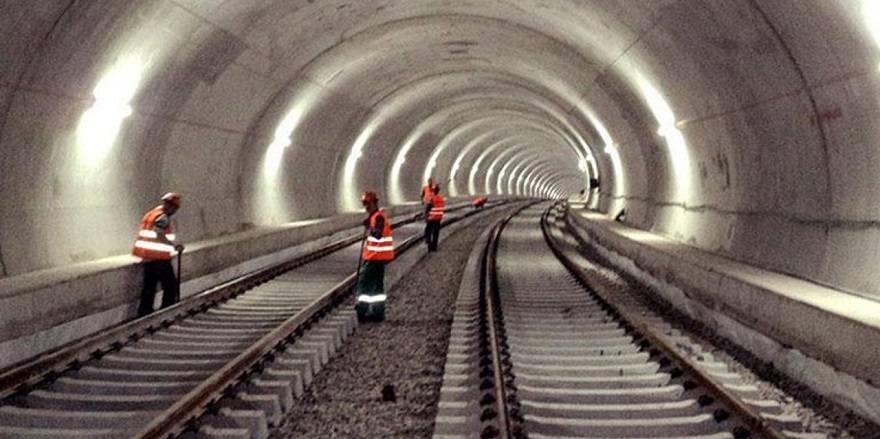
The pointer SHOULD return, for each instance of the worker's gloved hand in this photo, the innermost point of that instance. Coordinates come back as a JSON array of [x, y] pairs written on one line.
[[178, 247]]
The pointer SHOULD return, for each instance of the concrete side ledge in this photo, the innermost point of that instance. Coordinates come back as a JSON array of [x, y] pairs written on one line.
[[830, 326], [44, 309]]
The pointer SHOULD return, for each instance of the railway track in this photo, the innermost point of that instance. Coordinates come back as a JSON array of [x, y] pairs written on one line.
[[231, 362], [225, 363], [540, 349]]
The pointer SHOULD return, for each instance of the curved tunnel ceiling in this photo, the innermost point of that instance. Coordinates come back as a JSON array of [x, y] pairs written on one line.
[[717, 123], [431, 51]]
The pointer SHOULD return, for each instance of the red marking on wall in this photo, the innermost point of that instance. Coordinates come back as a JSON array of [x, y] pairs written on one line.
[[827, 115]]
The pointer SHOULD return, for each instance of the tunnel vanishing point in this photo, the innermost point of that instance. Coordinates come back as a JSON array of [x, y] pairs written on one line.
[[745, 129]]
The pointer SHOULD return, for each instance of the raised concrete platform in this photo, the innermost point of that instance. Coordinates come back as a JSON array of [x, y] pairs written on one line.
[[825, 338]]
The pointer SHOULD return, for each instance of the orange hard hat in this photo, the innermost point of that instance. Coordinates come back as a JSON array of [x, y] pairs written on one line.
[[369, 197], [172, 198]]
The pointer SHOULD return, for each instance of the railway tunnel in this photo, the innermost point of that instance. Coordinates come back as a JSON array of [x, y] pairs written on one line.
[[738, 137]]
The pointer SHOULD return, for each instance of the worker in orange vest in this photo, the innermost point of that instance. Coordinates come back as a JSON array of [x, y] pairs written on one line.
[[435, 208], [155, 245], [479, 202], [427, 192], [378, 250]]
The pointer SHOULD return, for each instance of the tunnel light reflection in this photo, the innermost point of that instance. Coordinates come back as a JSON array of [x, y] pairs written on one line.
[[432, 163], [618, 186], [99, 126], [302, 102], [448, 143], [470, 146], [614, 154], [275, 151], [493, 169], [396, 193], [350, 193], [484, 155], [675, 143], [871, 14], [269, 200], [472, 176]]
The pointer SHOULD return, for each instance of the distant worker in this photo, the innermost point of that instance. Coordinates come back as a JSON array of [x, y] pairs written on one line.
[[155, 245], [479, 202], [378, 250], [435, 209], [427, 191]]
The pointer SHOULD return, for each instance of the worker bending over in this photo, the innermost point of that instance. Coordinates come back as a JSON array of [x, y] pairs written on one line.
[[155, 245]]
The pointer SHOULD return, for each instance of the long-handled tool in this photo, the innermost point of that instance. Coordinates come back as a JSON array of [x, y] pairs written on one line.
[[361, 312], [179, 258], [357, 276]]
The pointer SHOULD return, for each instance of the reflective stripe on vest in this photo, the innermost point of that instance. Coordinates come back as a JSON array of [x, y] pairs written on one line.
[[147, 245], [437, 205], [371, 299], [379, 249]]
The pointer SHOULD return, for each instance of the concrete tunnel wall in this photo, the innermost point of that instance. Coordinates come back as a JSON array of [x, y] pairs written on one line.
[[745, 128]]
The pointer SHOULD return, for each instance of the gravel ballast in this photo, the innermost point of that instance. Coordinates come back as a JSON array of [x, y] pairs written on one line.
[[385, 383]]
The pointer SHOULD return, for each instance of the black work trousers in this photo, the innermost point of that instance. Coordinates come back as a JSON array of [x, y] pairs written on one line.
[[156, 272], [370, 306], [432, 234]]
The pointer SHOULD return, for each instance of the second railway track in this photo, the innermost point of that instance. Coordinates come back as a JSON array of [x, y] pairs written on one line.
[[571, 363], [573, 354]]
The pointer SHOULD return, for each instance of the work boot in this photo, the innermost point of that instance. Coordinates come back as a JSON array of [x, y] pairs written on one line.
[[377, 312], [362, 310]]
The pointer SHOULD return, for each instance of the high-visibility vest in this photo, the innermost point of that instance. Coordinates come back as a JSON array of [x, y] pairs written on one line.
[[437, 205], [379, 249], [147, 245], [427, 193]]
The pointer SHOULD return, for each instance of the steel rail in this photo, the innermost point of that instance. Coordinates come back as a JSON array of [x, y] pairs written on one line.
[[18, 378], [175, 419], [505, 427], [748, 416], [489, 288], [45, 368]]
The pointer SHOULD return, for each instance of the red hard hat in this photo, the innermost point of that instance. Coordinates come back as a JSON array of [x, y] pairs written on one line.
[[369, 197], [173, 198]]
